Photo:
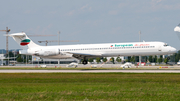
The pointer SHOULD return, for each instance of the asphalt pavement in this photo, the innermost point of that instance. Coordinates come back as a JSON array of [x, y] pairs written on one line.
[[89, 71]]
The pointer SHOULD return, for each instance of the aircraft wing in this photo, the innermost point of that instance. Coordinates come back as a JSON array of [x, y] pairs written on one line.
[[82, 55]]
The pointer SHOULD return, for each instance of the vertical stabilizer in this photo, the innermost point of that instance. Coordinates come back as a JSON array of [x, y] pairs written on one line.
[[24, 41], [177, 30]]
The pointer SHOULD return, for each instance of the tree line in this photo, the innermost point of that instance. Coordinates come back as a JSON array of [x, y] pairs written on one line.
[[152, 59]]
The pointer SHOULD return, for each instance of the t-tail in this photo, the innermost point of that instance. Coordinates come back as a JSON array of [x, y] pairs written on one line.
[[177, 30], [23, 40]]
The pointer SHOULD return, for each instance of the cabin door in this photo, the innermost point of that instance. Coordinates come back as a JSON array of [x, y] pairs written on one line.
[[159, 48]]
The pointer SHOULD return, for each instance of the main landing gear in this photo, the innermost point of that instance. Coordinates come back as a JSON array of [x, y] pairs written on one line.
[[84, 62]]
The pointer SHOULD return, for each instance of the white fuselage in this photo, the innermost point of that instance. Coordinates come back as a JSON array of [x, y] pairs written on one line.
[[101, 50]]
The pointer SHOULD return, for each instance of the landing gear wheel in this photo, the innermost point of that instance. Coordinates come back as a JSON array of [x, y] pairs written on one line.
[[84, 62]]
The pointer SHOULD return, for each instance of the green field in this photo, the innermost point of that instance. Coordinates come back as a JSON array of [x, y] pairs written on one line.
[[89, 86]]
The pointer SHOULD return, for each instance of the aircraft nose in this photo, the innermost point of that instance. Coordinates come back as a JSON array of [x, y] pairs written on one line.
[[173, 50]]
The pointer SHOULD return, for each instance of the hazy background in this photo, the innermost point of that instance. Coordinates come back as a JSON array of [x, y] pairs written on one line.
[[91, 21]]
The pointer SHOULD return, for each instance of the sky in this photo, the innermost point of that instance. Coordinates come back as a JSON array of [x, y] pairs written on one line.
[[91, 21]]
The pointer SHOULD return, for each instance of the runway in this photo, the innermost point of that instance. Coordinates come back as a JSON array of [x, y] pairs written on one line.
[[89, 71]]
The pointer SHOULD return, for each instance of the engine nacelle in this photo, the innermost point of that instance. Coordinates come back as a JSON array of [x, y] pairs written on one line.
[[49, 52]]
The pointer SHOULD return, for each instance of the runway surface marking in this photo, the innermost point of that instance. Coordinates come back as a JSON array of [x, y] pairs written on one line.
[[89, 71]]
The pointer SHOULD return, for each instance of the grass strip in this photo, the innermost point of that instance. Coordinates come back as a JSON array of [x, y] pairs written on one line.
[[89, 86]]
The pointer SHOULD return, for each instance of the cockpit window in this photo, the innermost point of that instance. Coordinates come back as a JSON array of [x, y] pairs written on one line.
[[166, 44]]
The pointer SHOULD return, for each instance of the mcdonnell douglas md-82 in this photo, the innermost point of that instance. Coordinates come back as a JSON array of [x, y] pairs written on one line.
[[85, 51]]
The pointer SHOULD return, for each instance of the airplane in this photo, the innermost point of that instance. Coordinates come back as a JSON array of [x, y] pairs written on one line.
[[85, 51], [177, 30]]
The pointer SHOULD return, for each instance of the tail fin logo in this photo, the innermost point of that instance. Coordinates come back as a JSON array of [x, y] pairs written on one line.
[[25, 42]]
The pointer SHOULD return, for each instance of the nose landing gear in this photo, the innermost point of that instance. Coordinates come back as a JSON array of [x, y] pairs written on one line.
[[84, 62]]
